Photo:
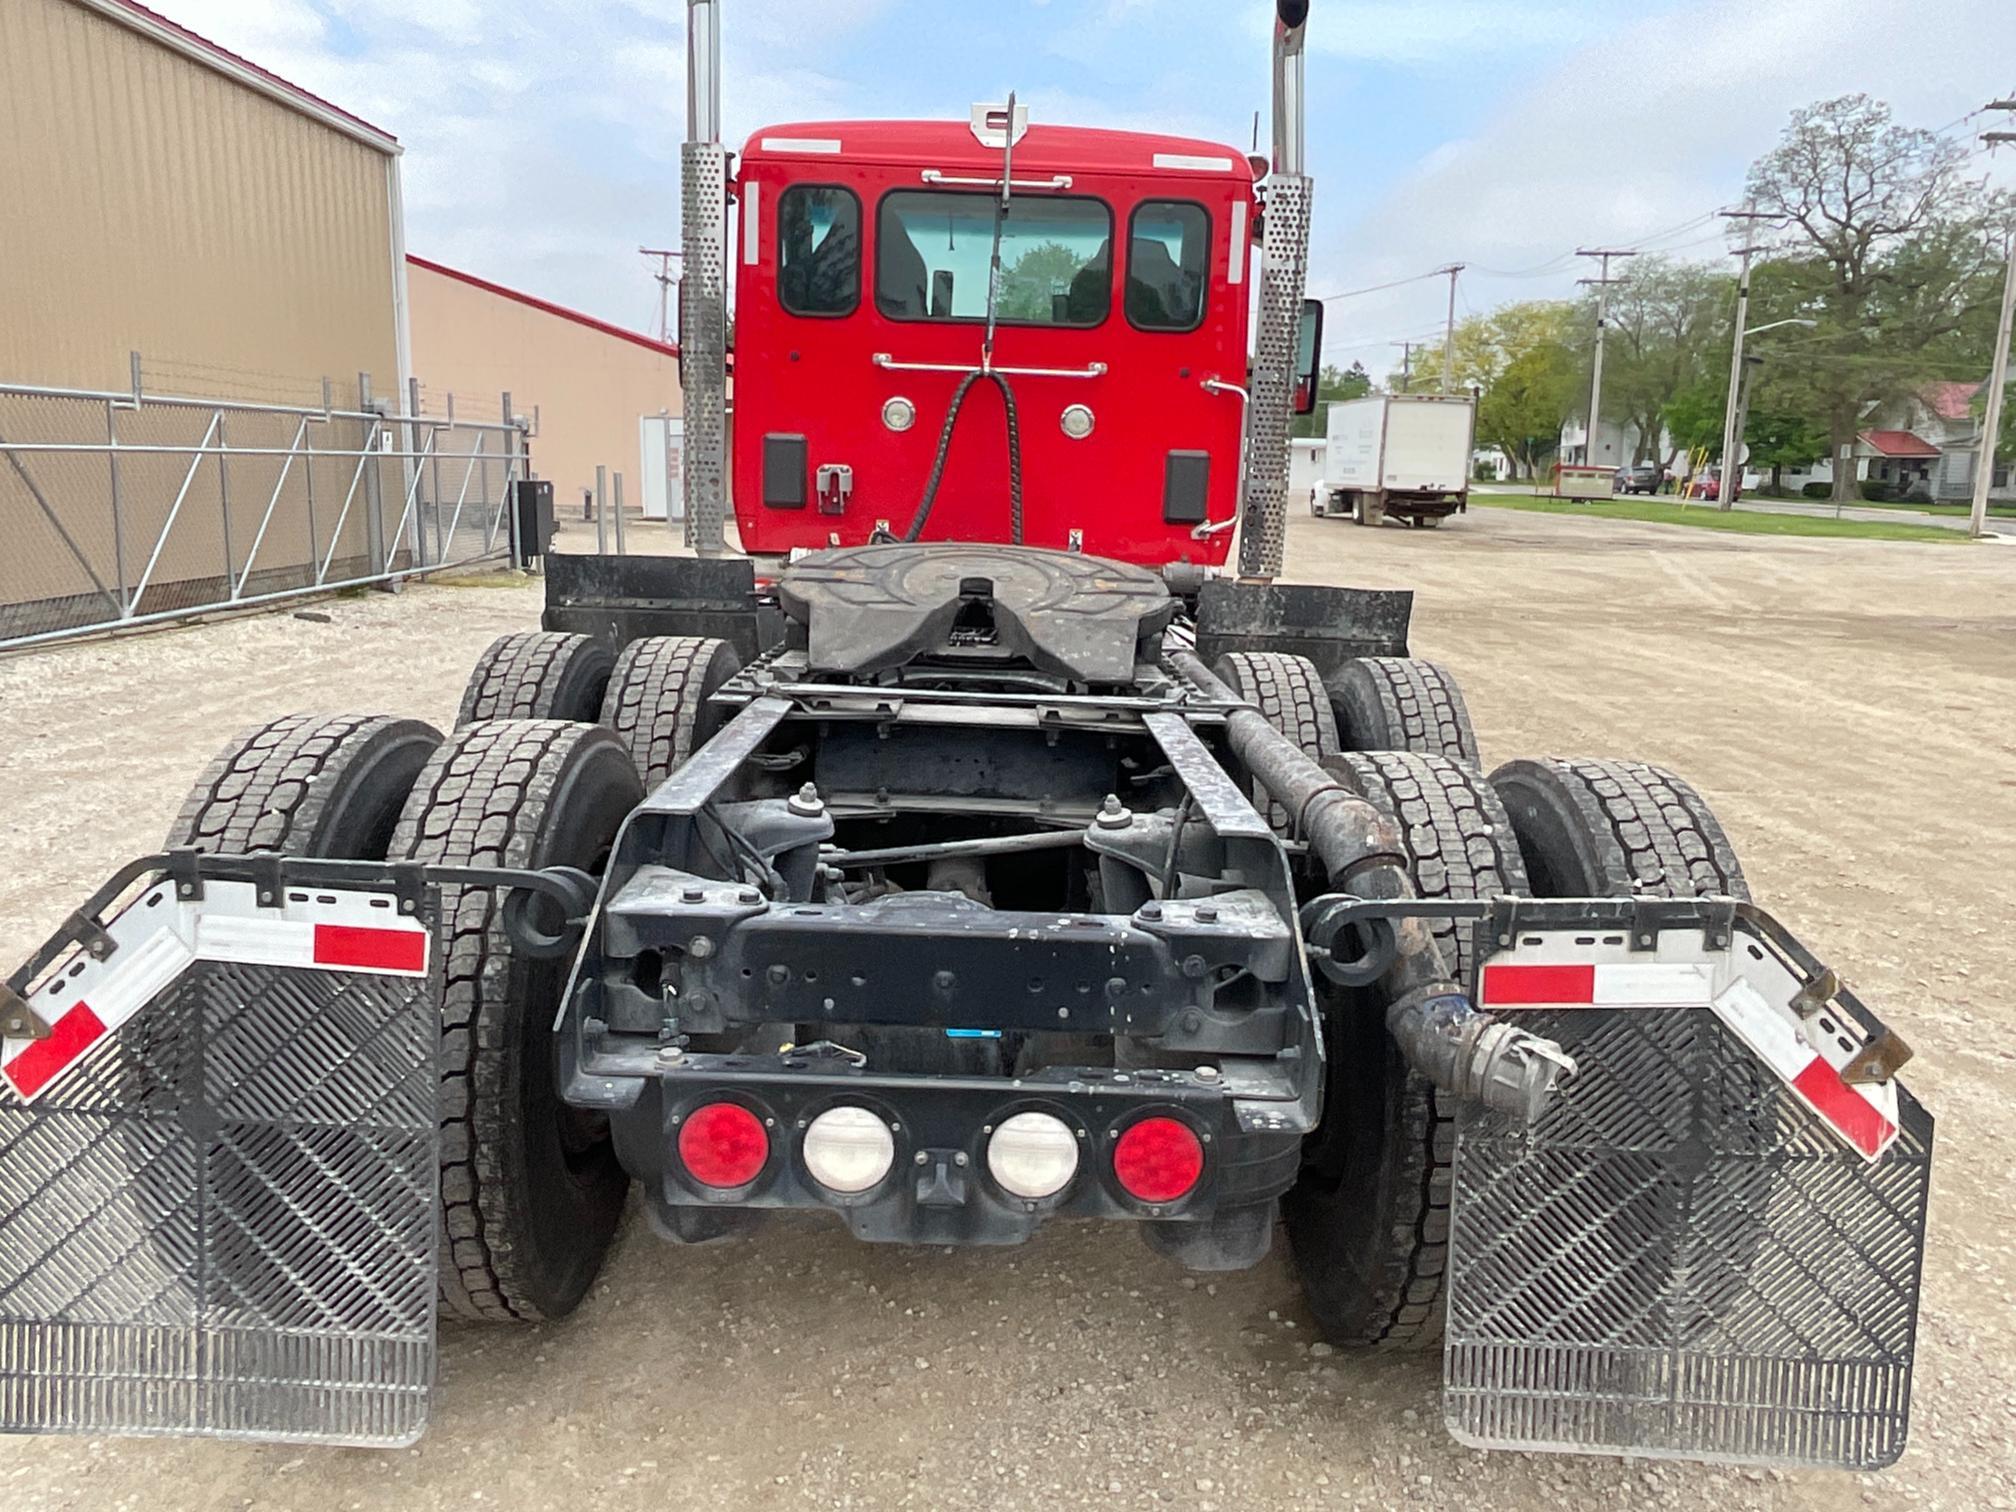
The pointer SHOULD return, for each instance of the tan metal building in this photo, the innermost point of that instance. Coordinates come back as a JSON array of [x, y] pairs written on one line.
[[593, 382], [165, 196]]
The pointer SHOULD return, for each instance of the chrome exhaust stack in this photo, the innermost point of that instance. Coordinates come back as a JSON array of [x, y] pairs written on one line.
[[703, 285], [1284, 272]]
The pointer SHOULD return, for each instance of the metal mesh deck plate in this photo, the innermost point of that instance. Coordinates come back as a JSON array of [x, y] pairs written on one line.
[[1680, 1260], [223, 1222]]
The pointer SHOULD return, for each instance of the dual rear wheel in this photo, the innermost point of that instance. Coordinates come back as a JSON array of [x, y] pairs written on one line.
[[1368, 1221], [531, 1191]]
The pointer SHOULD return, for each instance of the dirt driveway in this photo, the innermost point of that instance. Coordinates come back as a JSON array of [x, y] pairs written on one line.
[[1846, 706]]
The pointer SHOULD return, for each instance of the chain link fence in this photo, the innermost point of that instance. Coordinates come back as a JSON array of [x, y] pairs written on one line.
[[131, 508]]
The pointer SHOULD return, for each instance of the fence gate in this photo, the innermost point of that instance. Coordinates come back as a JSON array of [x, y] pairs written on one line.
[[134, 508]]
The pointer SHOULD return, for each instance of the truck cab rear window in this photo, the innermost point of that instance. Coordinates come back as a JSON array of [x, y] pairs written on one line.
[[933, 249], [818, 250], [1168, 251]]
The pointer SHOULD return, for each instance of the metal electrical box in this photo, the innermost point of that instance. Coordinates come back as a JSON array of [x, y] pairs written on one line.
[[532, 510]]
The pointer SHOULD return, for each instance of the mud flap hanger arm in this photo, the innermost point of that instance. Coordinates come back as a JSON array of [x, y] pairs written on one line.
[[1720, 920], [544, 910]]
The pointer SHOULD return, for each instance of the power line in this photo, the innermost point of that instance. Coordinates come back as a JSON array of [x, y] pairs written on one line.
[[1441, 272]]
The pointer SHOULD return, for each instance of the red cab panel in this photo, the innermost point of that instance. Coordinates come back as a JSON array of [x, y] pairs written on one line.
[[861, 293]]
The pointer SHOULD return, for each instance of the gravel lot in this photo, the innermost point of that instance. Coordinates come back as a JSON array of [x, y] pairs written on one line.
[[1847, 708]]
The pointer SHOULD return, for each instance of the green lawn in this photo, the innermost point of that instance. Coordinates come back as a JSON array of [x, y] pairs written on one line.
[[1995, 511], [1708, 517]]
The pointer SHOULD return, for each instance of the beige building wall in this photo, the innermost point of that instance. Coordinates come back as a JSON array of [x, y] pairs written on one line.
[[160, 195], [591, 381], [150, 202]]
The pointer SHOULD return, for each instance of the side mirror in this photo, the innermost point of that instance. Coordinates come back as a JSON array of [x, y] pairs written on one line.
[[1308, 356]]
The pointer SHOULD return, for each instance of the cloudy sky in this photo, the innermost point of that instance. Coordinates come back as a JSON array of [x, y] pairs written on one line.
[[542, 135]]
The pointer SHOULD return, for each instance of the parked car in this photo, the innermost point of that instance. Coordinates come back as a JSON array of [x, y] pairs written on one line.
[[1641, 478]]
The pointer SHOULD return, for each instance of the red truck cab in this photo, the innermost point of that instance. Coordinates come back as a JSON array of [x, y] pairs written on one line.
[[861, 284]]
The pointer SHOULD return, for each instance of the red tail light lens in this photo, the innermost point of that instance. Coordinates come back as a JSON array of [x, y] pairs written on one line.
[[1158, 1159], [723, 1145]]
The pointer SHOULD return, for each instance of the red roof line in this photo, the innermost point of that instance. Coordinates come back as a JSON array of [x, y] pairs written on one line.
[[1897, 443], [217, 50], [666, 348]]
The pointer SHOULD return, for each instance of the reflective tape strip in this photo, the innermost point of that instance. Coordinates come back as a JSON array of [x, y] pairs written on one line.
[[1656, 984], [400, 952], [157, 937], [44, 1060], [1191, 163], [1235, 256], [824, 145], [1864, 1115], [752, 226]]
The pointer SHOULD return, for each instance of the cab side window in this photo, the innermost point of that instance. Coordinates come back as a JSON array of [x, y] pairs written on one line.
[[818, 250], [1168, 255]]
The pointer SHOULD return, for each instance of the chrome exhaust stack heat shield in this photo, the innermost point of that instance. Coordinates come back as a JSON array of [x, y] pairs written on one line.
[[1709, 1244], [219, 1147]]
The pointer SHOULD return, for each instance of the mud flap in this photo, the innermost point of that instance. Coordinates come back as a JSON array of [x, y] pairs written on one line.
[[1710, 1245], [219, 1155]]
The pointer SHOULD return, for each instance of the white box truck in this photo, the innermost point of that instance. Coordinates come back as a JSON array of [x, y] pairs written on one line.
[[1405, 455]]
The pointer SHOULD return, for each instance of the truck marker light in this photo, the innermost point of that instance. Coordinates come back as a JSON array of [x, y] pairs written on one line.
[[1076, 421], [723, 1145], [848, 1149], [1032, 1155], [899, 414], [1158, 1159]]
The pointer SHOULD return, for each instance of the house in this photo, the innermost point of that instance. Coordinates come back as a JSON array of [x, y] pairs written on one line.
[[1926, 443]]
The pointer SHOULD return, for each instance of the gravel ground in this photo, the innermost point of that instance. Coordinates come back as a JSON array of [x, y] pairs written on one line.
[[1845, 705]]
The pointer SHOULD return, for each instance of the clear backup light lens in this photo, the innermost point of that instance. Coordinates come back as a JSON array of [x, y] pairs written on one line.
[[1077, 421], [1033, 1155], [899, 414], [1158, 1159], [848, 1149], [723, 1145]]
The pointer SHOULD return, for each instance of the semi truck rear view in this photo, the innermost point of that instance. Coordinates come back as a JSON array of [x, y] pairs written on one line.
[[1401, 454]]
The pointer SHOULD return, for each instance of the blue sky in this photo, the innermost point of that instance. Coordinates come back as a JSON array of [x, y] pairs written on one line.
[[542, 135]]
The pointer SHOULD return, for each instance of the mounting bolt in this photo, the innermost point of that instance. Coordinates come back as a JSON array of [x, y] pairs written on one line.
[[1192, 1021], [1151, 910], [778, 974], [959, 1159], [693, 895], [1207, 913], [671, 1054], [922, 1158], [806, 802], [1194, 967], [749, 895], [1113, 814], [1207, 1073], [700, 947], [944, 981]]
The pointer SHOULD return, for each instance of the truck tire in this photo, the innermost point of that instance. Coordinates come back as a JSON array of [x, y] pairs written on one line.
[[538, 674], [1599, 829], [1368, 1221], [530, 1190], [328, 785], [657, 701], [1401, 703], [1288, 692]]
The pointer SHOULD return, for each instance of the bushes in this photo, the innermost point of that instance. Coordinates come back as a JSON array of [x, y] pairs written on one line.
[[1818, 490], [1876, 492]]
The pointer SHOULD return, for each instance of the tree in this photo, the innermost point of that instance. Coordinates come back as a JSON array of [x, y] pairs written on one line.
[[1781, 438], [1887, 247], [1669, 329], [1332, 384], [1035, 279], [1693, 416], [1523, 409]]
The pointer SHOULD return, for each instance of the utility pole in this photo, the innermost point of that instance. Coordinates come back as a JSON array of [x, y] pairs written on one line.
[[1732, 439], [1406, 361], [1601, 284], [665, 283], [1449, 336], [1991, 419]]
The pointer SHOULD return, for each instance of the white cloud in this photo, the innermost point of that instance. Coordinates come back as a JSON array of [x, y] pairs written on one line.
[[1397, 31], [1597, 153]]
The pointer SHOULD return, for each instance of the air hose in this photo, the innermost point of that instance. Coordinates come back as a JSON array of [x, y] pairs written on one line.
[[945, 449]]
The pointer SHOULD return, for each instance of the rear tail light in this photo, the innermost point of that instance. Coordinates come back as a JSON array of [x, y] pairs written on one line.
[[723, 1145], [1158, 1159], [848, 1149], [1033, 1155]]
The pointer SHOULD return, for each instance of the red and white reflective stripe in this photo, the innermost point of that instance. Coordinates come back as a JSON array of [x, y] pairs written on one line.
[[1750, 989], [158, 936], [1589, 984]]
